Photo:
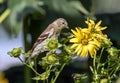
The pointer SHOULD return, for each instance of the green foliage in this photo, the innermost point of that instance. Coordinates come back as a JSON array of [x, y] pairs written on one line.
[[103, 71], [36, 9], [19, 10]]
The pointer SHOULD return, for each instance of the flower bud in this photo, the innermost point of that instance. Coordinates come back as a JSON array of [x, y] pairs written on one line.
[[52, 44], [106, 43], [113, 51], [52, 59], [15, 52]]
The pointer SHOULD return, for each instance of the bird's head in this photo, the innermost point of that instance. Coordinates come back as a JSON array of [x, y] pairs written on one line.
[[62, 23]]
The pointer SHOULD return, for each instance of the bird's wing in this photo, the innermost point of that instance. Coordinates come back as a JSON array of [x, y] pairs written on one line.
[[46, 34]]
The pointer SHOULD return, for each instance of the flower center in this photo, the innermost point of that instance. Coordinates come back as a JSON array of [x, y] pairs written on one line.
[[84, 42]]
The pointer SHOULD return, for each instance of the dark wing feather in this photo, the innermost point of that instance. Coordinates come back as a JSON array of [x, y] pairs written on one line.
[[43, 36]]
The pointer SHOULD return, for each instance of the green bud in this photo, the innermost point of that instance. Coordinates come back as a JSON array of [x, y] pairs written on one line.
[[106, 43], [15, 52], [113, 51], [43, 63], [52, 59], [52, 44]]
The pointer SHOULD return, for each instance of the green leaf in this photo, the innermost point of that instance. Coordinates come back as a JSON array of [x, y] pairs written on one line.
[[63, 6], [19, 10], [77, 5]]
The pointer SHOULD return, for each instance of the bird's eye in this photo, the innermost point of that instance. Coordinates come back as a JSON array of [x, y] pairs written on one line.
[[63, 23]]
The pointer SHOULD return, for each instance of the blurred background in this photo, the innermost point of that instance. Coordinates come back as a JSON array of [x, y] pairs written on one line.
[[22, 21]]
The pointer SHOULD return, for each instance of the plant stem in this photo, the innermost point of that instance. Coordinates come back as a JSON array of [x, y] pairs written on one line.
[[58, 73], [101, 53], [94, 69], [32, 69], [36, 69], [28, 66], [94, 65], [100, 57]]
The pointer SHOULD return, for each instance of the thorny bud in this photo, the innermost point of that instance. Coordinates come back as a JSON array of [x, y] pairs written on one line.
[[52, 59], [106, 43], [52, 44], [15, 52], [113, 51]]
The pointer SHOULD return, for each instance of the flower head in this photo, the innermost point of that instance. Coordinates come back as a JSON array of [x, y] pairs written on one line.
[[87, 41], [95, 28], [2, 78]]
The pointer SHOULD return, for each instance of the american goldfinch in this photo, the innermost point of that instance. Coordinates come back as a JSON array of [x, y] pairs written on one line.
[[52, 31]]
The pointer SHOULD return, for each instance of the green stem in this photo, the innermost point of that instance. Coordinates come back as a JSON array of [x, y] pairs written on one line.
[[94, 65], [100, 58], [101, 53], [94, 69], [58, 73], [36, 69], [29, 66]]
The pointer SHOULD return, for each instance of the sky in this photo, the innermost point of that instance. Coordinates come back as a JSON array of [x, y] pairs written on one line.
[[7, 44]]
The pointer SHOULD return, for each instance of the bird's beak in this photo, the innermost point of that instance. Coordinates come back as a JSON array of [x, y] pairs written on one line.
[[66, 27]]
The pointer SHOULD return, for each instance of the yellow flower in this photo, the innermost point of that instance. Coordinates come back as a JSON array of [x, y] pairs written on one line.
[[3, 79], [87, 41], [95, 28], [83, 43]]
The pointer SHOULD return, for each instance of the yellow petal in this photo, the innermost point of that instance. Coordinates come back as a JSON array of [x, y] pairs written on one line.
[[79, 33], [91, 49], [75, 40], [98, 24], [84, 52], [79, 51], [74, 32], [74, 45], [92, 22], [103, 28], [78, 48]]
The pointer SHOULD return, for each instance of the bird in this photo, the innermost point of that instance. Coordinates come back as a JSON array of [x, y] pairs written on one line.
[[52, 31]]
